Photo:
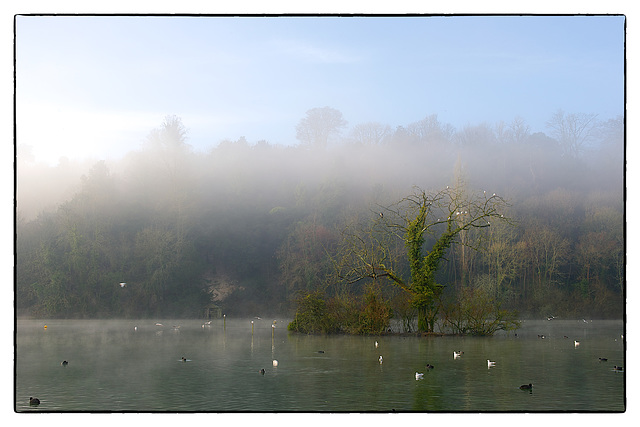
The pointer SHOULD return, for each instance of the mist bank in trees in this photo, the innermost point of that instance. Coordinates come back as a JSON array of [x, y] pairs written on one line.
[[250, 227]]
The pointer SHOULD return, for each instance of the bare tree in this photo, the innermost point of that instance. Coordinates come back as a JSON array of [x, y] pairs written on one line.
[[370, 133], [573, 131], [319, 125]]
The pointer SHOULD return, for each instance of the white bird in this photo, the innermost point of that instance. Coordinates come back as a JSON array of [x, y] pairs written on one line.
[[576, 343], [457, 354], [490, 363], [159, 324], [275, 362], [380, 359], [419, 376], [376, 344], [123, 284]]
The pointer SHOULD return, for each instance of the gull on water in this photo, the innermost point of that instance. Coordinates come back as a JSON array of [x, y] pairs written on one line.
[[419, 376], [490, 363]]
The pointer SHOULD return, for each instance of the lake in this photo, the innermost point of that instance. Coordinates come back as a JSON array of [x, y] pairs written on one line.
[[136, 366]]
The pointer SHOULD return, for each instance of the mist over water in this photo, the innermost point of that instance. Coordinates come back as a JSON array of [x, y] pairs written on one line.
[[114, 367]]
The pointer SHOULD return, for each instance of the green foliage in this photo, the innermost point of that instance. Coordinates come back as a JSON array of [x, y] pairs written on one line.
[[366, 314], [375, 314], [312, 315]]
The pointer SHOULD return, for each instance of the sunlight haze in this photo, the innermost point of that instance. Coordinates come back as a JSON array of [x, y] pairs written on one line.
[[94, 86]]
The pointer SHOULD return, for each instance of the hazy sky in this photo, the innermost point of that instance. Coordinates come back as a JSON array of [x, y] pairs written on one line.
[[95, 86]]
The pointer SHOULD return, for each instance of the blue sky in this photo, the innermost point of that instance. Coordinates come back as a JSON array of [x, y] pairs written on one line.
[[95, 86]]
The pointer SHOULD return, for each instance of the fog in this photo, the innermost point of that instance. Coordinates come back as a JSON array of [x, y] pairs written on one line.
[[186, 226]]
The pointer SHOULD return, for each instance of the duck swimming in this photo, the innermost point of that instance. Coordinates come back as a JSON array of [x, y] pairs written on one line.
[[526, 386], [617, 368], [64, 363], [602, 359], [34, 401], [262, 371]]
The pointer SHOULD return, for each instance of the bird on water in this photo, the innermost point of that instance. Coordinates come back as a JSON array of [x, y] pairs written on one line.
[[34, 401], [419, 376], [490, 363], [64, 363], [526, 386]]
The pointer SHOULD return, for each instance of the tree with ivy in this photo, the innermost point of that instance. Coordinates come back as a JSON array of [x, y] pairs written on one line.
[[443, 218], [427, 224]]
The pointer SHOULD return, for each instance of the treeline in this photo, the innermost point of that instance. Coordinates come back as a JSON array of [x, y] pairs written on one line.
[[252, 226]]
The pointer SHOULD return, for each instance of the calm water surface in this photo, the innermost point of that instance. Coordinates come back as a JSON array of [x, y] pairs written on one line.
[[115, 367]]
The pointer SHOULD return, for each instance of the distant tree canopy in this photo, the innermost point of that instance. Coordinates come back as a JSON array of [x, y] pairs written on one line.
[[255, 227], [319, 125]]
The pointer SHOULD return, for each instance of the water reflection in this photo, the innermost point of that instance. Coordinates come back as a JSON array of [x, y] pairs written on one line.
[[137, 366]]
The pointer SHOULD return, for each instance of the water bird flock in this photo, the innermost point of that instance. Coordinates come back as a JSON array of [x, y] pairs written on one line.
[[418, 375]]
